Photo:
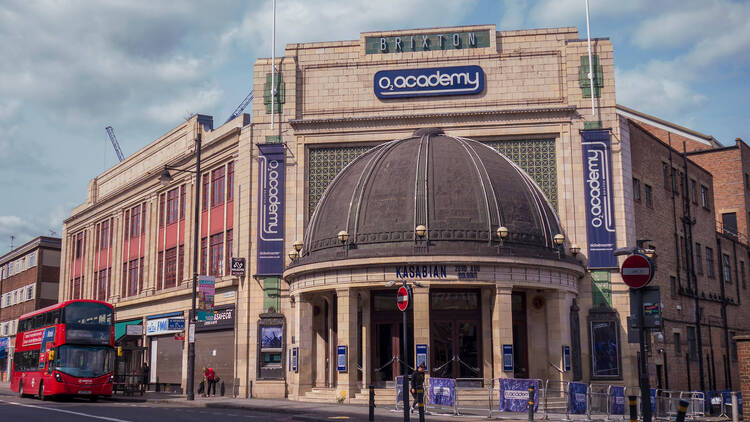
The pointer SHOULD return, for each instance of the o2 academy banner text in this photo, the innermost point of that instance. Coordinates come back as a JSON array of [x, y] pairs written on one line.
[[597, 180], [271, 209]]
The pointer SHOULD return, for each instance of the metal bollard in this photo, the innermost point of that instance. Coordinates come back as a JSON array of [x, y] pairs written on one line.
[[735, 408], [633, 403], [371, 416], [420, 403], [681, 409], [531, 402]]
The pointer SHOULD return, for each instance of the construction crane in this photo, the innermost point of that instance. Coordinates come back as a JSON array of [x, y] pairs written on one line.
[[112, 138], [241, 107]]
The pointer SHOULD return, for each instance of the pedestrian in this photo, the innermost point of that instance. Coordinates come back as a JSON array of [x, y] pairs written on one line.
[[210, 376], [145, 372], [417, 381]]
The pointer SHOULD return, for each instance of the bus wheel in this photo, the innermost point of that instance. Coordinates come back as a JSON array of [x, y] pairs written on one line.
[[42, 397], [94, 398]]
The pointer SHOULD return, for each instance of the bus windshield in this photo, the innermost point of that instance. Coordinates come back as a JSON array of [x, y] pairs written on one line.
[[88, 313], [84, 361]]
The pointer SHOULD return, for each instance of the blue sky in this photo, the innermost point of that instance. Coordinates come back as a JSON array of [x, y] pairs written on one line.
[[70, 68]]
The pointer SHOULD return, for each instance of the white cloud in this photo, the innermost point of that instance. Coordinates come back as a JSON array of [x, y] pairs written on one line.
[[173, 109], [654, 92]]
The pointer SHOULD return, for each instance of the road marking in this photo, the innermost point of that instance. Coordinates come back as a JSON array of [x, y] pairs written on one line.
[[65, 411]]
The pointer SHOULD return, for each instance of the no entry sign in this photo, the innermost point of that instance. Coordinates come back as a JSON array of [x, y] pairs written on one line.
[[402, 298], [637, 271]]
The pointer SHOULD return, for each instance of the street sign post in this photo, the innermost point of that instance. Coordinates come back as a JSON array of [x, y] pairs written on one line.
[[403, 297], [637, 271]]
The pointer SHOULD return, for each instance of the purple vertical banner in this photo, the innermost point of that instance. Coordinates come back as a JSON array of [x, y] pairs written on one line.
[[597, 182], [514, 394], [617, 400], [271, 210], [443, 391]]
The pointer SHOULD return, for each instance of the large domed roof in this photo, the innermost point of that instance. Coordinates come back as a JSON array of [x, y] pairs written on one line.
[[461, 190]]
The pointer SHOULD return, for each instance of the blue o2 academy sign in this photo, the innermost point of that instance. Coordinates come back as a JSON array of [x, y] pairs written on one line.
[[404, 83], [271, 209], [597, 181]]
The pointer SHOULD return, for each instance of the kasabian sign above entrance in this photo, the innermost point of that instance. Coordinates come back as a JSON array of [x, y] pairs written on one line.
[[456, 80]]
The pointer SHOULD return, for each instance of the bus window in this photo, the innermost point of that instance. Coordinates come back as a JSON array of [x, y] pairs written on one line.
[[87, 313]]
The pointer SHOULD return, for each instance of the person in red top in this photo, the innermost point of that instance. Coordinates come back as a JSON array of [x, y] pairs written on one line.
[[210, 376]]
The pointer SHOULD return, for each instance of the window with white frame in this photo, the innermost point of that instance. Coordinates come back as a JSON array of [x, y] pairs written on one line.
[[30, 292], [32, 259]]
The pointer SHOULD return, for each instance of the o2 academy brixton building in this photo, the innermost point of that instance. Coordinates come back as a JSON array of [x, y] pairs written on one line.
[[467, 162]]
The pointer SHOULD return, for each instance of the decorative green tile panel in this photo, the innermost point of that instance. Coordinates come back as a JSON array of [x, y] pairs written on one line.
[[280, 93], [427, 42], [592, 125], [537, 158], [601, 288], [324, 165], [271, 293], [276, 139], [583, 76]]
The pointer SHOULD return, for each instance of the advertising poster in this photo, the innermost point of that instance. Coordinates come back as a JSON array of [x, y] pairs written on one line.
[[422, 355], [605, 354], [206, 292], [270, 337], [341, 364], [507, 357], [617, 400]]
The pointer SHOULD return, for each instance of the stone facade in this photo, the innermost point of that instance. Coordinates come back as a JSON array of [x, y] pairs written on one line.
[[536, 100]]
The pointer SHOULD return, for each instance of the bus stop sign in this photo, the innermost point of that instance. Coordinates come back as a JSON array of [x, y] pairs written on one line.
[[637, 271], [402, 298]]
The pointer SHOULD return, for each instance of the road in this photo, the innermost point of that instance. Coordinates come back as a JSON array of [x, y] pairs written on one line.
[[14, 409]]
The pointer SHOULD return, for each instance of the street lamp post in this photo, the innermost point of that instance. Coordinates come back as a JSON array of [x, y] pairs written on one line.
[[166, 178]]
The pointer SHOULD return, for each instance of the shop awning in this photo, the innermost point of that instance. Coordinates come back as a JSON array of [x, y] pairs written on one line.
[[121, 327]]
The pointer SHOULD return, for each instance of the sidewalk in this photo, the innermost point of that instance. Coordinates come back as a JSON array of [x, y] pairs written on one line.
[[302, 411]]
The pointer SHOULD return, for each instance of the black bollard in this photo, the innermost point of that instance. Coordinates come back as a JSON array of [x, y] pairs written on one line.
[[633, 402], [420, 403], [681, 410], [531, 402], [372, 402]]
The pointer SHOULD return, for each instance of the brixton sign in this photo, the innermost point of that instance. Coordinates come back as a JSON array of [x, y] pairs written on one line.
[[637, 271], [402, 298], [455, 80]]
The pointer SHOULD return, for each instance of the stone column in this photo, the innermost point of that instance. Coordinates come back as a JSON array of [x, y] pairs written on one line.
[[558, 332], [367, 352], [743, 355], [346, 304], [421, 313], [502, 328], [302, 381]]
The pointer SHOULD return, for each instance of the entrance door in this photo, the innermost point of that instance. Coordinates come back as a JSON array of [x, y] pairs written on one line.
[[520, 343], [387, 321], [455, 334]]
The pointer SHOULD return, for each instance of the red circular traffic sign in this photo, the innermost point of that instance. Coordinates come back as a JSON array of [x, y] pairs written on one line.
[[636, 271], [402, 298]]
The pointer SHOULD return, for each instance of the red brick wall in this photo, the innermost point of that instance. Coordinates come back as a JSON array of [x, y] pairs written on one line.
[[677, 140], [658, 224], [743, 351]]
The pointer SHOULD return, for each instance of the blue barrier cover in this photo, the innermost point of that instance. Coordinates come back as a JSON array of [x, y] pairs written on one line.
[[514, 394], [443, 391], [617, 400], [399, 389], [577, 398]]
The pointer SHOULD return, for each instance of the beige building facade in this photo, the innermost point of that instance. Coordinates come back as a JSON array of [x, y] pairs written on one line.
[[450, 159]]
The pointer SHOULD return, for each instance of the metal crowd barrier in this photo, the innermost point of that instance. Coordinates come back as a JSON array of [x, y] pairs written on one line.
[[603, 401]]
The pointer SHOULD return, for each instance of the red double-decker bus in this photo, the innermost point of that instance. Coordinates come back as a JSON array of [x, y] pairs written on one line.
[[65, 349]]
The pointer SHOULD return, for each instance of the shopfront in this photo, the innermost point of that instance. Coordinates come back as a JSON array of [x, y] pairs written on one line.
[[215, 347], [131, 351], [166, 341]]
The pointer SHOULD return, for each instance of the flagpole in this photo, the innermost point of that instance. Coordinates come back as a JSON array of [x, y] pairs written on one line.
[[273, 67], [591, 65]]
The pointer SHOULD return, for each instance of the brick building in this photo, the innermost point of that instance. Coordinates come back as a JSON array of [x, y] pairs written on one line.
[[29, 280], [450, 156]]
